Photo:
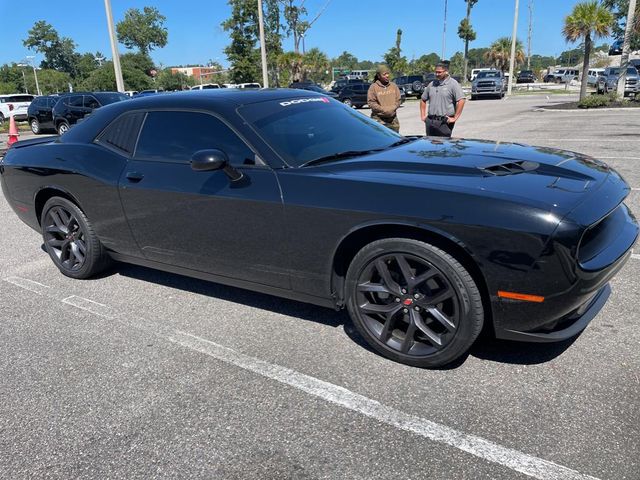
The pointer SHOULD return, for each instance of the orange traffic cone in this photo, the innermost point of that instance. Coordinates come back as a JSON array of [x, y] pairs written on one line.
[[13, 131]]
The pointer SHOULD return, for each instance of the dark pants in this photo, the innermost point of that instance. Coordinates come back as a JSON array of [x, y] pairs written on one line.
[[391, 123], [439, 128]]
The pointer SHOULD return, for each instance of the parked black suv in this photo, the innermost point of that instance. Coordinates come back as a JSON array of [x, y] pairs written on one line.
[[413, 85], [343, 82], [40, 115], [354, 94], [73, 107], [526, 76]]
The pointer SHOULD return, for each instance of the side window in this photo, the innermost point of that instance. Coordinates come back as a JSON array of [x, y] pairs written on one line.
[[74, 101], [122, 133], [197, 131], [91, 102], [51, 102]]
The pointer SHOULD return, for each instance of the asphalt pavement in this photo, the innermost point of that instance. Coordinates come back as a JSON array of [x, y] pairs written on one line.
[[143, 374]]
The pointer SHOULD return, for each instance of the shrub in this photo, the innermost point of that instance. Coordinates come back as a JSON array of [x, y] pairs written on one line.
[[595, 101]]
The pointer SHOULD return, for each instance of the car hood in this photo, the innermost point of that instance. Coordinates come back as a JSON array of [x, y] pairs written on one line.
[[549, 179]]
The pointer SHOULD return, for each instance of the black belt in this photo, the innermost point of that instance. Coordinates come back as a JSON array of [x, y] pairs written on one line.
[[437, 117]]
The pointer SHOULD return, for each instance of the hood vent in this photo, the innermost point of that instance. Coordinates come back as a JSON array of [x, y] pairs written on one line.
[[510, 168]]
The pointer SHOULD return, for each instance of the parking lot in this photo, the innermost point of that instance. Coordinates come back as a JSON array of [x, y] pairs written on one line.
[[144, 374]]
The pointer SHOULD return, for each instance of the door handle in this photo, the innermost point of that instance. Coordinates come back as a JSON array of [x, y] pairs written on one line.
[[134, 176]]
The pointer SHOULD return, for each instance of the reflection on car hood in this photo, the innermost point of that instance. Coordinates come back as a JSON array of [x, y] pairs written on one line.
[[547, 178]]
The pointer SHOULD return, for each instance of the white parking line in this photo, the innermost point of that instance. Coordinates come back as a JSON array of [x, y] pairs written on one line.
[[513, 459], [89, 305], [635, 256], [27, 284], [477, 446]]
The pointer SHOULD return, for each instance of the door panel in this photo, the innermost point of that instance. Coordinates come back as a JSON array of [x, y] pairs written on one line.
[[203, 221]]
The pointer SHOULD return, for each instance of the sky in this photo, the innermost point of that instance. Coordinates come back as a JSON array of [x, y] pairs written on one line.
[[365, 28]]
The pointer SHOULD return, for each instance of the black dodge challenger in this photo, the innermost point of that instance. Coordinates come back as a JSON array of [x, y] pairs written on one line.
[[291, 193]]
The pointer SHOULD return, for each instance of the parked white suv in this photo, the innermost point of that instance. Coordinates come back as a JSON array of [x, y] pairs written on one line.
[[206, 86], [15, 104]]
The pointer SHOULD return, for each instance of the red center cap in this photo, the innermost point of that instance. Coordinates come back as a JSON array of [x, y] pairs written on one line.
[[407, 301]]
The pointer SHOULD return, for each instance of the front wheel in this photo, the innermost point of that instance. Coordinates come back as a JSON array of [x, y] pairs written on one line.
[[413, 302], [70, 241], [347, 102]]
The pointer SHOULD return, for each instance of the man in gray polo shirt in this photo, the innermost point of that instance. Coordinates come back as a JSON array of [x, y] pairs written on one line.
[[446, 101]]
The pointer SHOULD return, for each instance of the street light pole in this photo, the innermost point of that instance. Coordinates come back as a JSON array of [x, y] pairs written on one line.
[[444, 32], [263, 47], [624, 58], [114, 47], [512, 61], [35, 74]]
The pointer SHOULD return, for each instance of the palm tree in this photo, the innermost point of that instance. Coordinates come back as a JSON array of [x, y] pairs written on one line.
[[586, 20], [314, 63], [467, 33], [500, 53]]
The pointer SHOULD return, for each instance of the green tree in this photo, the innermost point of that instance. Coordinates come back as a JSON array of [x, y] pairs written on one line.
[[87, 63], [476, 57], [290, 64], [499, 53], [572, 56], [620, 8], [170, 81], [346, 60], [242, 53], [587, 20], [50, 81], [137, 61], [295, 17], [104, 79], [273, 39], [142, 30], [314, 64], [59, 53], [421, 65], [467, 33], [456, 64], [394, 59]]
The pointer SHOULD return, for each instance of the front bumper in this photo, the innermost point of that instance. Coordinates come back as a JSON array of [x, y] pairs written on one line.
[[566, 327]]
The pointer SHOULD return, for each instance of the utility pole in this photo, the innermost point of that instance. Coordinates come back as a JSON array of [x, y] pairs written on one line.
[[624, 58], [529, 36], [114, 47], [513, 50], [263, 47], [444, 32]]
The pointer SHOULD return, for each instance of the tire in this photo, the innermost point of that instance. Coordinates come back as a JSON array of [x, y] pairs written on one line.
[[413, 302], [70, 241], [63, 127], [347, 102], [1, 119], [35, 126]]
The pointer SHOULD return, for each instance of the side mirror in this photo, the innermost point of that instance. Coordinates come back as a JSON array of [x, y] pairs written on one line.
[[209, 160]]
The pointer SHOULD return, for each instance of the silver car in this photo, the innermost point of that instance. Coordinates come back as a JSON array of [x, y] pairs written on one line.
[[490, 83], [608, 81]]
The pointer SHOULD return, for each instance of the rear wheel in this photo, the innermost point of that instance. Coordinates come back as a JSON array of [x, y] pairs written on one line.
[[35, 126], [70, 240], [347, 102], [63, 127], [413, 302]]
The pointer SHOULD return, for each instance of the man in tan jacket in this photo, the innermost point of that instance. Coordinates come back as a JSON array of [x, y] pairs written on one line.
[[383, 98]]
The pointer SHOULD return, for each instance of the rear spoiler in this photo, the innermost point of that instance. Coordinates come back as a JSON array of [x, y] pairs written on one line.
[[35, 141]]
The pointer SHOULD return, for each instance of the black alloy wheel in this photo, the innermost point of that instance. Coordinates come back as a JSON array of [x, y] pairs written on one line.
[[413, 302], [70, 240]]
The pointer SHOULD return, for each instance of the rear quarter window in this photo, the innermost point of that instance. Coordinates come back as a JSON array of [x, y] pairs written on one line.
[[122, 133]]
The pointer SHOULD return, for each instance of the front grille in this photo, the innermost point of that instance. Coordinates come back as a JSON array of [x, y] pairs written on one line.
[[486, 84]]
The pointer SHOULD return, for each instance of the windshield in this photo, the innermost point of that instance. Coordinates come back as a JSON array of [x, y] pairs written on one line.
[[308, 128], [107, 98], [488, 75], [315, 88], [630, 71]]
